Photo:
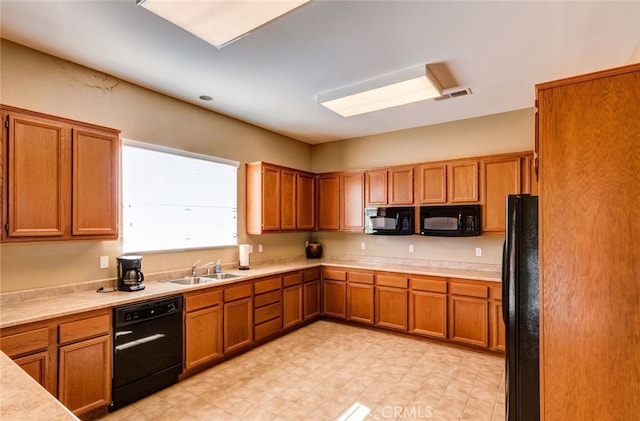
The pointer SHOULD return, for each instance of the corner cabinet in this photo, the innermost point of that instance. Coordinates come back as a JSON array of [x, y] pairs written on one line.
[[279, 199], [60, 179]]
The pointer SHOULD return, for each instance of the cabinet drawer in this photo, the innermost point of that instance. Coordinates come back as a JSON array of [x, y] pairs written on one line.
[[24, 343], [311, 275], [236, 293], [432, 285], [267, 285], [85, 328], [267, 313], [361, 277], [480, 291], [267, 298], [198, 301], [292, 279], [269, 328], [335, 274], [388, 280]]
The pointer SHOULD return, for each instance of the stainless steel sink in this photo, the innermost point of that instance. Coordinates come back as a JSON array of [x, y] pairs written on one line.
[[205, 279]]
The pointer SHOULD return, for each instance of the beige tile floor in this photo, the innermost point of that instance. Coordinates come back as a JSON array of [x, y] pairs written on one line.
[[319, 371]]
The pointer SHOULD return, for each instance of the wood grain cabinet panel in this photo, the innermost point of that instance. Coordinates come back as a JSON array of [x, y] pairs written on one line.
[[462, 178], [311, 297], [468, 320], [238, 324], [292, 306], [95, 181], [391, 308], [401, 186], [376, 181], [288, 212], [433, 183], [360, 303], [334, 298], [306, 201], [352, 201], [84, 377], [203, 336], [329, 202], [428, 314], [500, 178]]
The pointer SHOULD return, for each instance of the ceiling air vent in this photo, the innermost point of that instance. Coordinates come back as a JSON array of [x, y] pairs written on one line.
[[453, 93]]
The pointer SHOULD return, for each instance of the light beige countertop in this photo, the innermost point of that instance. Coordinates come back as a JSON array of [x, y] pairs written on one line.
[[22, 398], [33, 307]]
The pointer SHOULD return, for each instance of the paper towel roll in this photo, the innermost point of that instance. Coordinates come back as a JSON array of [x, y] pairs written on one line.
[[244, 250]]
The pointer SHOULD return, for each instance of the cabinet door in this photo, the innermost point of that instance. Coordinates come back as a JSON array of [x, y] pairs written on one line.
[[270, 198], [238, 324], [95, 181], [500, 177], [306, 202], [37, 366], [311, 295], [203, 336], [391, 308], [329, 202], [428, 314], [292, 306], [377, 187], [38, 177], [462, 180], [360, 303], [433, 183], [287, 200], [401, 186], [468, 320], [497, 327], [334, 299], [84, 378], [352, 203]]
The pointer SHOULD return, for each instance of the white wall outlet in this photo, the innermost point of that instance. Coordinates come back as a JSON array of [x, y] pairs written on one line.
[[104, 262], [260, 248], [411, 248], [478, 251], [363, 245]]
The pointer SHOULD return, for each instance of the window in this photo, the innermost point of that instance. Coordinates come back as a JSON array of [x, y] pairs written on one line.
[[174, 200]]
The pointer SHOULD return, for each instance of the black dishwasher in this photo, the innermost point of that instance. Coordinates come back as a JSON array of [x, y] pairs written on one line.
[[147, 348]]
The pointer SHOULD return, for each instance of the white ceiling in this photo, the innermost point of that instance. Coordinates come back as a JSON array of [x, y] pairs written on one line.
[[271, 77]]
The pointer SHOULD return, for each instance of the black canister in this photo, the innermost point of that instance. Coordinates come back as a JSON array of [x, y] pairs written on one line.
[[314, 250]]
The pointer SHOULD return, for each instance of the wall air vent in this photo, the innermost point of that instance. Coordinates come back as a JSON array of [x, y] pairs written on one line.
[[453, 93]]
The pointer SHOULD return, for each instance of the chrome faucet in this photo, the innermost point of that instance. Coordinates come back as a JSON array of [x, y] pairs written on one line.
[[195, 268]]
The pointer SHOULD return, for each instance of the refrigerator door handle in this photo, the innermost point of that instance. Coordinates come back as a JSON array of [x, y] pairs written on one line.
[[505, 284]]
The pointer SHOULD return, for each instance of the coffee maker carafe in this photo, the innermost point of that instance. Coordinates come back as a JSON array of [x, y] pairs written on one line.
[[130, 277]]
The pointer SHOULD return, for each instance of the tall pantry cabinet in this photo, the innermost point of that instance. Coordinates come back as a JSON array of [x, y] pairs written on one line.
[[589, 163]]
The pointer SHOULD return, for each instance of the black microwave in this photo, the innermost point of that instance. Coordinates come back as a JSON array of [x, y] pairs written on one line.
[[450, 221], [389, 221]]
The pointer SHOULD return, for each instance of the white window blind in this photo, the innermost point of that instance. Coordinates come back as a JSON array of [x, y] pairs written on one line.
[[173, 200]]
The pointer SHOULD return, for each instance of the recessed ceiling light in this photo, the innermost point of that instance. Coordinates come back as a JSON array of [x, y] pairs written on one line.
[[205, 97], [220, 22], [403, 87]]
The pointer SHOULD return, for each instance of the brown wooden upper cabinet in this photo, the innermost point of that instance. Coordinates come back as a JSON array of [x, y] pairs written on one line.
[[448, 182], [341, 201], [392, 186], [279, 199], [61, 180], [501, 176]]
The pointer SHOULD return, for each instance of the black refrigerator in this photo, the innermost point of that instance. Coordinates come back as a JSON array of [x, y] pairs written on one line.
[[520, 291]]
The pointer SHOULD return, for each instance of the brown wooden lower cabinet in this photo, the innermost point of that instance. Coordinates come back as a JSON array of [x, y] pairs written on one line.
[[334, 298], [468, 320], [238, 317], [84, 376], [311, 298], [391, 308], [360, 303], [203, 336], [36, 365], [428, 314], [292, 306]]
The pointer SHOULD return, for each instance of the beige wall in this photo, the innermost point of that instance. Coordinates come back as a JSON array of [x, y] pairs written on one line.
[[48, 84]]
